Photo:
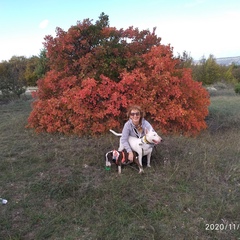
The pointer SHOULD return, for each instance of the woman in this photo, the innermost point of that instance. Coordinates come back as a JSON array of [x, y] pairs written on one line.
[[135, 127]]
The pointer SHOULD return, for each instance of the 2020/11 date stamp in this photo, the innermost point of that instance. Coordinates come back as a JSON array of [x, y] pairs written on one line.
[[222, 226]]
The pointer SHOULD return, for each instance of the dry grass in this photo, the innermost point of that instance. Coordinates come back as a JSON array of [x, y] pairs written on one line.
[[57, 187]]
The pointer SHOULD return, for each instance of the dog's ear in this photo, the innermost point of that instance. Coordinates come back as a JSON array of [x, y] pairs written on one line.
[[109, 156], [146, 131]]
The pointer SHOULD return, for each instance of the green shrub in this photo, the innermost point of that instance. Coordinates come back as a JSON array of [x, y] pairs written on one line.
[[237, 88]]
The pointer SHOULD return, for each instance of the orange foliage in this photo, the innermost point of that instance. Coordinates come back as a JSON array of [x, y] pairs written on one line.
[[96, 72]]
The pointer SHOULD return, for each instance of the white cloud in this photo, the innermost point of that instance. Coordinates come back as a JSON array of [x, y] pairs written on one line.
[[44, 24]]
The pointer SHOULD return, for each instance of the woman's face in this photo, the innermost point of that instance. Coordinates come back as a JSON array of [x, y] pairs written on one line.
[[135, 116]]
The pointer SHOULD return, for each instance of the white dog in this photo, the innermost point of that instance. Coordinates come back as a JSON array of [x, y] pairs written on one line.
[[143, 146]]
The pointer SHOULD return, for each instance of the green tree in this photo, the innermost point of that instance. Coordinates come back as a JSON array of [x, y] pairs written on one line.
[[212, 71], [186, 61], [4, 72], [207, 71], [228, 74], [31, 74], [198, 70], [42, 65], [12, 79], [236, 72]]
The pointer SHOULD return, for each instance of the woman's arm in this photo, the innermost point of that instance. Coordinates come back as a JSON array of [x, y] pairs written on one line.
[[125, 135]]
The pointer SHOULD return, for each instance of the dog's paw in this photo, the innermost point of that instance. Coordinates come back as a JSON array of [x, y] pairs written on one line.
[[108, 164], [148, 165]]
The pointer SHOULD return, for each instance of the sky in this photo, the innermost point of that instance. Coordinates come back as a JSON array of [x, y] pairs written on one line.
[[199, 27]]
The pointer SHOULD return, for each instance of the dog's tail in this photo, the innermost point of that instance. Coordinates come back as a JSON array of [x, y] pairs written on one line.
[[115, 133]]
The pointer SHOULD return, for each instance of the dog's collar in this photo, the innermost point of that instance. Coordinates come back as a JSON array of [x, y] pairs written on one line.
[[145, 140]]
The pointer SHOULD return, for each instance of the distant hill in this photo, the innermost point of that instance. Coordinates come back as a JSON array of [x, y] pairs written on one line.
[[228, 61], [225, 61]]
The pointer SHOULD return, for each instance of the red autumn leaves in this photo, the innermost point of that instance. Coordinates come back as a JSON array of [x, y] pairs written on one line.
[[97, 71]]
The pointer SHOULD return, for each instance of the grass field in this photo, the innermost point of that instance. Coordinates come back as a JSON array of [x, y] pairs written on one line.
[[57, 186]]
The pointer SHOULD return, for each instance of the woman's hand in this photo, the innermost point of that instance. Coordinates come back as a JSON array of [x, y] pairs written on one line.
[[130, 156]]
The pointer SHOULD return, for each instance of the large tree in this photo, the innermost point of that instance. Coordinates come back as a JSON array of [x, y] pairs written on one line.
[[96, 71], [12, 76]]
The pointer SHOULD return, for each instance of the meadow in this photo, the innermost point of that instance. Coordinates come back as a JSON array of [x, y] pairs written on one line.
[[57, 186]]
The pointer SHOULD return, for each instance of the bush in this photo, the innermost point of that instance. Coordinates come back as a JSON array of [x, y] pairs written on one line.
[[237, 88], [97, 71]]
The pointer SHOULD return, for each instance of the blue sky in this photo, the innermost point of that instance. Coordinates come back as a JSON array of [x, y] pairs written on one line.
[[200, 27]]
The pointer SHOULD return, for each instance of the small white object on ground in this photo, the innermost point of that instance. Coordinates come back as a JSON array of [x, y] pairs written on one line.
[[4, 201]]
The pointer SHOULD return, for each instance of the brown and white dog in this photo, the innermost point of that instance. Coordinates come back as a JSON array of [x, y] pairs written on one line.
[[143, 146], [120, 158]]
